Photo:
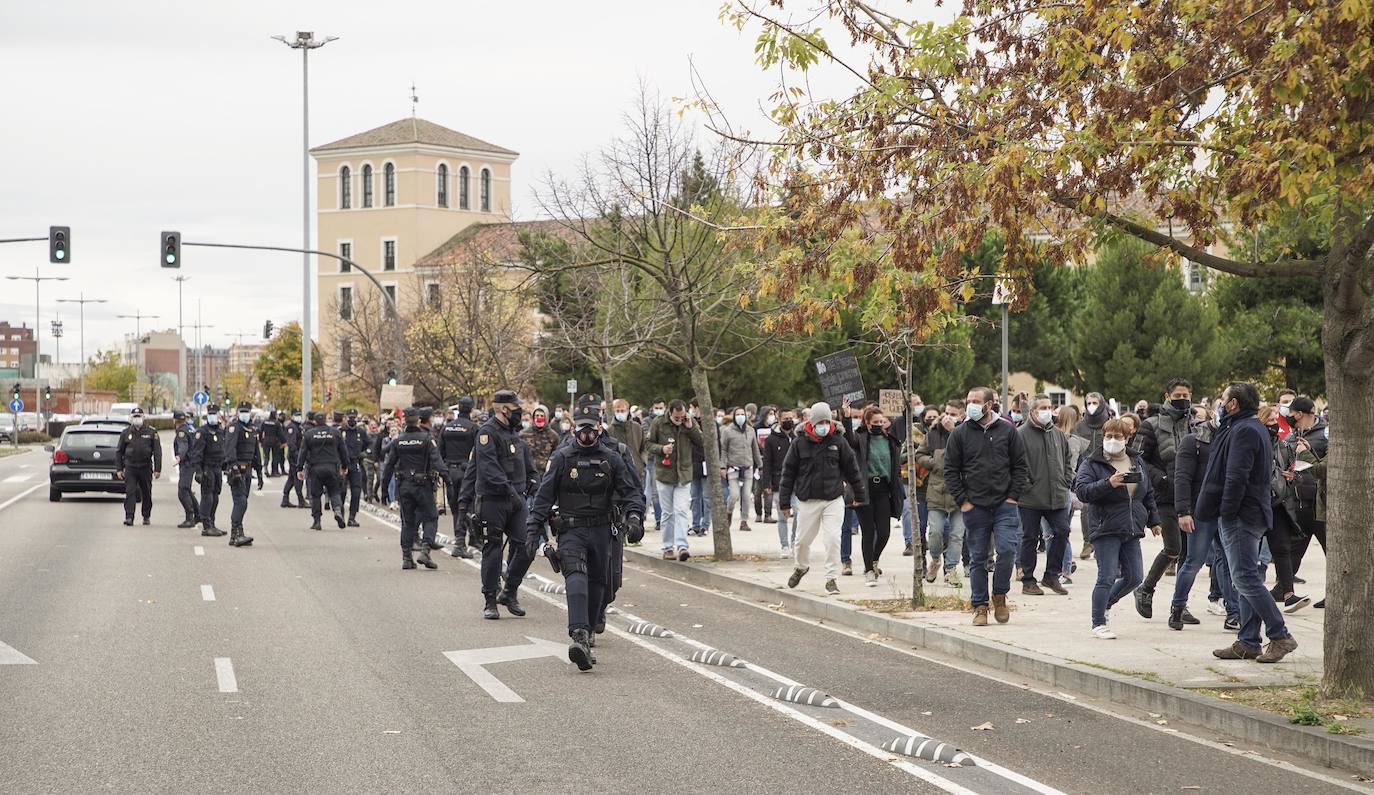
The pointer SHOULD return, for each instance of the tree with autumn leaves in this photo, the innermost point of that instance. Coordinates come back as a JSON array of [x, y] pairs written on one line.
[[1195, 126]]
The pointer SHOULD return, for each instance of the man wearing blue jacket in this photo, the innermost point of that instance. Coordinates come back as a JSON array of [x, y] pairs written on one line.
[[1235, 491]]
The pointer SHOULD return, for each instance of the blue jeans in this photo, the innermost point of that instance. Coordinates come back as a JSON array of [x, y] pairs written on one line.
[[946, 537], [701, 505], [851, 521], [787, 528], [1205, 545], [1241, 542], [1030, 540], [985, 528], [1119, 570], [650, 494], [906, 522]]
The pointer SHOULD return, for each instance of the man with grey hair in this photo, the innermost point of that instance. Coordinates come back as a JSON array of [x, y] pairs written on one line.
[[817, 468], [1051, 476]]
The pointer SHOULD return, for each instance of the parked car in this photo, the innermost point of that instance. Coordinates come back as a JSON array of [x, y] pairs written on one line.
[[84, 460], [7, 432]]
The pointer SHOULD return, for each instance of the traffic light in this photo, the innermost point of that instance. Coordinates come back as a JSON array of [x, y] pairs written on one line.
[[14, 393], [267, 330], [47, 393], [59, 244], [391, 377], [328, 395], [171, 249]]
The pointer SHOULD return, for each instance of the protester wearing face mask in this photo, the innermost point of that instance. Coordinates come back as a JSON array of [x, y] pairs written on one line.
[[669, 445], [629, 433], [138, 460], [739, 457], [763, 426], [945, 523], [816, 471], [1307, 437], [927, 417], [701, 502], [539, 436], [1204, 543], [1050, 463], [775, 449], [1095, 415], [1285, 401], [1121, 502], [879, 460], [1283, 533], [1160, 437]]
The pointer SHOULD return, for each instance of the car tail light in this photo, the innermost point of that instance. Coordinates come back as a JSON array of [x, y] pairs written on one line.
[[60, 457]]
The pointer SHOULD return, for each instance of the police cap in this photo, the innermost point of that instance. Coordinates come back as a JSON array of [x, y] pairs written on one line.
[[178, 414], [338, 416], [352, 412], [245, 406], [587, 414], [411, 414], [464, 404], [213, 408], [425, 412], [505, 396], [137, 412]]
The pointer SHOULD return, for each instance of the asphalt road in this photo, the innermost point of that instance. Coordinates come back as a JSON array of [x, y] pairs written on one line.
[[340, 681]]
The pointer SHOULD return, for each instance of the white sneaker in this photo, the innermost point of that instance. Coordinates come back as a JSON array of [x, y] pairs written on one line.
[[1103, 632], [1216, 607], [785, 554], [953, 577], [871, 579]]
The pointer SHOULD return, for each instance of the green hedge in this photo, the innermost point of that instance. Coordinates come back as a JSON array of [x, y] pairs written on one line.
[[33, 437]]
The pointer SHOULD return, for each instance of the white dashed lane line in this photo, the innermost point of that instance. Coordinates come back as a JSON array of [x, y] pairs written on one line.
[[207, 592], [224, 672], [200, 551]]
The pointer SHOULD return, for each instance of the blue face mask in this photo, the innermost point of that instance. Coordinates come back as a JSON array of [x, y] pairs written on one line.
[[212, 419], [974, 411], [739, 420], [243, 416], [1016, 416], [821, 429]]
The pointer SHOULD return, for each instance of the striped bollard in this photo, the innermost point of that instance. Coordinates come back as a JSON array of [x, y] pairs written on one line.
[[713, 657], [804, 695], [929, 750], [652, 630]]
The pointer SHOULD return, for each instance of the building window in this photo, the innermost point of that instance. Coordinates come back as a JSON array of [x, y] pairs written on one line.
[[345, 303], [345, 188], [345, 251], [1058, 399], [346, 356], [441, 190], [389, 184], [1197, 276], [433, 296], [391, 293], [463, 188], [367, 185], [486, 191], [388, 255]]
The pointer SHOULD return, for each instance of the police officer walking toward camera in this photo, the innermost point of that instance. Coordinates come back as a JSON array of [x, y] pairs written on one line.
[[455, 447], [356, 442], [292, 433], [206, 458], [270, 435], [589, 484], [414, 460], [495, 485], [138, 459], [181, 448], [242, 457], [323, 459], [429, 528]]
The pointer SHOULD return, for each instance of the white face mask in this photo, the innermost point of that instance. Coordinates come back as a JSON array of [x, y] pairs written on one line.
[[137, 422], [558, 414], [974, 411], [243, 416], [1113, 446], [1092, 408], [295, 418], [212, 419], [919, 410], [821, 428], [526, 424], [1285, 411], [1045, 416], [658, 412], [739, 420], [621, 416]]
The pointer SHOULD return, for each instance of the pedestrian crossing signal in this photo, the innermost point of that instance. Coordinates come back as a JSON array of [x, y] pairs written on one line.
[[59, 244], [171, 249]]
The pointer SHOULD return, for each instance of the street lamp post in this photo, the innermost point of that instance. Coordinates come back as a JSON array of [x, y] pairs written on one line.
[[138, 318], [82, 301], [181, 354], [37, 333], [305, 41]]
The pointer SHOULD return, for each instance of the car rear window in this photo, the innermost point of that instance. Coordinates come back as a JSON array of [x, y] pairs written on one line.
[[89, 440]]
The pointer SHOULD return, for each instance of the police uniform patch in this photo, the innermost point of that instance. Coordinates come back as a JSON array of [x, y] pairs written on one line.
[[573, 473], [197, 434], [482, 439], [512, 449]]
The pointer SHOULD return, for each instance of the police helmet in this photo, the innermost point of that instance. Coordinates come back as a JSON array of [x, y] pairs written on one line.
[[504, 396]]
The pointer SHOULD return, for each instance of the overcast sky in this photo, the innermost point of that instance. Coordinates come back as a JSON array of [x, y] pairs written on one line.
[[123, 119]]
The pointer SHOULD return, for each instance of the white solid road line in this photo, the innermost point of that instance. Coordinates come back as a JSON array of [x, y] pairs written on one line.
[[21, 495], [200, 551], [224, 672], [207, 592], [12, 656]]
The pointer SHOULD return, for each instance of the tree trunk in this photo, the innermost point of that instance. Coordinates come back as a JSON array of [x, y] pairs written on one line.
[[720, 522], [1348, 648], [607, 388]]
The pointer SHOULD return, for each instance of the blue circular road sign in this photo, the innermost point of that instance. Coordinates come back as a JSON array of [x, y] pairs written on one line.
[[16, 405], [201, 398]]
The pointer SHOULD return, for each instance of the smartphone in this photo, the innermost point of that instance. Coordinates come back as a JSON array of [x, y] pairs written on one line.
[[1132, 476]]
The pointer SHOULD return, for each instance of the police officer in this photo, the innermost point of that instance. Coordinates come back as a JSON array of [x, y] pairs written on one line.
[[241, 458], [494, 488], [181, 447], [455, 447], [291, 432], [429, 528], [414, 461], [206, 457], [138, 459], [323, 459], [587, 481], [270, 435], [356, 441]]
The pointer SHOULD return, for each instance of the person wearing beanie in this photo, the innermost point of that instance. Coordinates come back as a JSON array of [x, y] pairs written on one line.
[[822, 473]]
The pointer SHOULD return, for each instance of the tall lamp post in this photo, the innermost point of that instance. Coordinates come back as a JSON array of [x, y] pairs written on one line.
[[181, 357], [82, 301], [305, 41], [138, 318], [37, 333]]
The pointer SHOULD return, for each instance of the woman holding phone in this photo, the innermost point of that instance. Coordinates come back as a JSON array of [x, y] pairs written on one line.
[[1122, 506]]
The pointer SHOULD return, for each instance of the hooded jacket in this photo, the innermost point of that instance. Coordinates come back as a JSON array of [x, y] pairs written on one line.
[[931, 457], [818, 468]]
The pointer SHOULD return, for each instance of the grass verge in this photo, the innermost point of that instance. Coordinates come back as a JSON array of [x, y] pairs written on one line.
[[934, 604], [1303, 705]]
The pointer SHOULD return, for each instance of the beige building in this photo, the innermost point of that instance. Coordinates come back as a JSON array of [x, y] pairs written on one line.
[[387, 198], [242, 357]]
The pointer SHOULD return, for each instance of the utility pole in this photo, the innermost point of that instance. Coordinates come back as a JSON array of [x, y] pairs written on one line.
[[181, 357], [37, 334], [138, 317], [56, 329], [83, 300], [305, 41]]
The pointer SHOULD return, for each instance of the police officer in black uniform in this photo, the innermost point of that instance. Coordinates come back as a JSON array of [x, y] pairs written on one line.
[[138, 459], [291, 434], [494, 488], [588, 482], [414, 460], [242, 457], [206, 457], [455, 447], [270, 433], [356, 441], [323, 459], [429, 528], [181, 447]]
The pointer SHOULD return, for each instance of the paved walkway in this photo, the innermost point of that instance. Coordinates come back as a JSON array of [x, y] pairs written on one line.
[[1053, 625]]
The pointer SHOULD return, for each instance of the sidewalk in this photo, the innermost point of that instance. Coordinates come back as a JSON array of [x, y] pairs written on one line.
[[1049, 625]]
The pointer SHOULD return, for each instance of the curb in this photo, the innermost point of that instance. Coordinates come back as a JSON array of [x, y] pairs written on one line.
[[1344, 752]]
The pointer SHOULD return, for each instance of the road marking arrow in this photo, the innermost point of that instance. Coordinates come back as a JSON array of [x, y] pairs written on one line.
[[12, 656], [472, 662]]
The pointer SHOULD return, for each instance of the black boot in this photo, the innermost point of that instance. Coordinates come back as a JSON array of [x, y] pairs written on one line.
[[423, 560], [490, 611], [353, 520], [187, 523], [406, 561], [1189, 618], [316, 525], [579, 652], [511, 602], [285, 503], [1145, 602], [212, 531], [338, 519], [238, 539], [1176, 618]]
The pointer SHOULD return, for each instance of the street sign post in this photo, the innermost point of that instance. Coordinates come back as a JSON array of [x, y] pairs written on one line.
[[572, 393], [200, 398], [16, 405]]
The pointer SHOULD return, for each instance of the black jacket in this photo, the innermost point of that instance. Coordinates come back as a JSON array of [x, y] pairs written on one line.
[[1189, 464], [1160, 438], [139, 447], [986, 464], [819, 469], [775, 449], [1115, 511], [861, 440], [1236, 481]]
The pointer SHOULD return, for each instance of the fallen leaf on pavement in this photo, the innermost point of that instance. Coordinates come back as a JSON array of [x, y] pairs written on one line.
[[1162, 722], [927, 713], [1340, 717], [696, 626], [1022, 720], [391, 731], [953, 764], [982, 727], [1156, 715], [841, 722]]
